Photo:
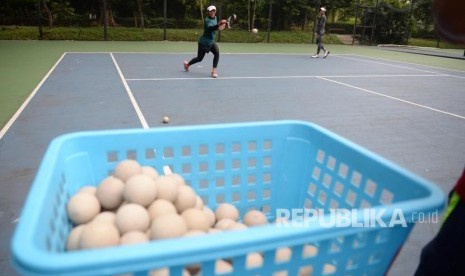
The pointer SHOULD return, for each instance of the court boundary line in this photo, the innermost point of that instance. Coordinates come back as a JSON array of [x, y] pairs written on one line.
[[392, 65], [394, 98], [274, 53], [195, 53], [409, 63], [20, 110], [287, 77], [15, 116], [135, 105]]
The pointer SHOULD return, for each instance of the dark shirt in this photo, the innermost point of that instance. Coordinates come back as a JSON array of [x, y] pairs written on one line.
[[320, 26], [210, 26]]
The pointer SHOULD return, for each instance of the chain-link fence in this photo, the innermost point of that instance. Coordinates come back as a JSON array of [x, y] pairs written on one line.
[[376, 21]]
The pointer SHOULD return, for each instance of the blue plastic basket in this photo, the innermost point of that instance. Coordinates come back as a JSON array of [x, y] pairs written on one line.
[[261, 165]]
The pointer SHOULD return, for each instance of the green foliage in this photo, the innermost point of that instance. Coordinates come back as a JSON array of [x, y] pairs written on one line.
[[156, 34], [422, 11], [18, 12], [63, 13], [392, 25], [287, 15]]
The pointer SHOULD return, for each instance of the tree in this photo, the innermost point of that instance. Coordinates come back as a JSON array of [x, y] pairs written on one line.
[[392, 24], [106, 10], [335, 7], [422, 11], [140, 6], [251, 17], [201, 9]]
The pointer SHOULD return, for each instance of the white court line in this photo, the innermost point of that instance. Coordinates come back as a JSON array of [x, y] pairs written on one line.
[[393, 65], [286, 77], [131, 96], [394, 98], [404, 67], [26, 102], [410, 63]]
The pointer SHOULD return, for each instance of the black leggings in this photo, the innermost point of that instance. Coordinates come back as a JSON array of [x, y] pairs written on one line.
[[319, 42], [202, 50]]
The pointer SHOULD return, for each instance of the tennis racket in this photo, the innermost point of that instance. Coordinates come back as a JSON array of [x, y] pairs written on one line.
[[231, 20]]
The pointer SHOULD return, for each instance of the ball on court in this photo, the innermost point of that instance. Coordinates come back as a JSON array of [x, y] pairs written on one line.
[[255, 31], [166, 119]]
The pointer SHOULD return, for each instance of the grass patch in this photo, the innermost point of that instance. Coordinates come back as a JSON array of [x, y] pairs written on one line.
[[433, 43], [151, 34], [156, 34]]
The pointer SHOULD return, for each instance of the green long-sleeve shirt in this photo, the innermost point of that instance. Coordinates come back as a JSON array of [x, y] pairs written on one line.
[[210, 26]]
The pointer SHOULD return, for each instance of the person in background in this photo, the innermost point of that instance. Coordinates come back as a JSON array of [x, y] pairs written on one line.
[[320, 32], [445, 254], [207, 41]]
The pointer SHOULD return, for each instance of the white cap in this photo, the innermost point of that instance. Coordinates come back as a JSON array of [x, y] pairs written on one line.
[[323, 9], [210, 8]]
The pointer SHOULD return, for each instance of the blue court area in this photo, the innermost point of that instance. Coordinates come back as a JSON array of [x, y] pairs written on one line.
[[411, 114]]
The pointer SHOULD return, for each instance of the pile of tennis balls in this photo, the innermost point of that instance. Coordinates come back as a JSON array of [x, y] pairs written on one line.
[[136, 204]]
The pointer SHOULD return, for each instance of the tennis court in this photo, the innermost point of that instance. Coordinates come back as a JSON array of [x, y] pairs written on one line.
[[411, 114]]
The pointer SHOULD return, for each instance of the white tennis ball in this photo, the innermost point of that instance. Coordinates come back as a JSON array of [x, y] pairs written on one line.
[[127, 168], [110, 192], [160, 207], [167, 188], [186, 198], [166, 119], [106, 216], [226, 210], [224, 224], [82, 208], [210, 214], [196, 219], [254, 260], [150, 171], [168, 226], [72, 242], [255, 31], [134, 237], [140, 189], [132, 217], [178, 178], [254, 218]]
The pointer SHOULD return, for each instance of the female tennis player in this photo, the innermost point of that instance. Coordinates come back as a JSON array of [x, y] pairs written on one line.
[[320, 32], [207, 41]]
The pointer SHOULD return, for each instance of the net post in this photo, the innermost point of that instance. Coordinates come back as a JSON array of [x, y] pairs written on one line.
[[105, 36], [269, 21], [39, 15], [164, 20]]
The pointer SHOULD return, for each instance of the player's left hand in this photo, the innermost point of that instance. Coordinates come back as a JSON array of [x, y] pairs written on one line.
[[221, 27]]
